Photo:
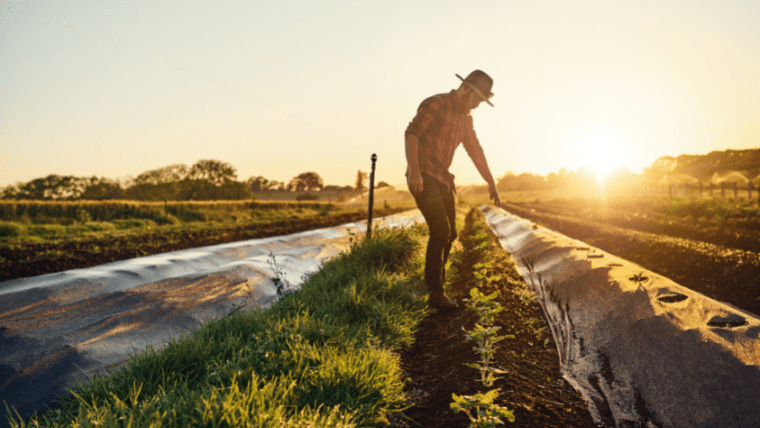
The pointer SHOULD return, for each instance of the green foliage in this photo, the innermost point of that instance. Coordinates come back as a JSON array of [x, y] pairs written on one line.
[[485, 306], [481, 409], [485, 334], [10, 230], [319, 357], [212, 171]]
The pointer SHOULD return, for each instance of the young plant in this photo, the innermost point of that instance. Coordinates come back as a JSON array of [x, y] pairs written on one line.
[[485, 334], [485, 306], [481, 409], [486, 338]]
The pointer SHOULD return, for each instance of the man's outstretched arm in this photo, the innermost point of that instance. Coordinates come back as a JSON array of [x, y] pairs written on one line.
[[479, 159]]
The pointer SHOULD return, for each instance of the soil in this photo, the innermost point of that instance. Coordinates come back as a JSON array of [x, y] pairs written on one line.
[[533, 387]]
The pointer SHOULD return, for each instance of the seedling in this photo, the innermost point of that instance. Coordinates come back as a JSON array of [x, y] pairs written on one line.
[[481, 409], [486, 338], [485, 334], [484, 305]]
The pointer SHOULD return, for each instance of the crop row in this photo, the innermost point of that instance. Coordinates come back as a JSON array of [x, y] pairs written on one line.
[[67, 212]]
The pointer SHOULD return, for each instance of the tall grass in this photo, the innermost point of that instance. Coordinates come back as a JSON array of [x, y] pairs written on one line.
[[322, 356]]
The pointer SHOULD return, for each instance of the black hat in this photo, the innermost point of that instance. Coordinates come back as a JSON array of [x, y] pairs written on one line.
[[481, 83]]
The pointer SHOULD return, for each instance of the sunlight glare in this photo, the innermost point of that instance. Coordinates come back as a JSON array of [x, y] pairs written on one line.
[[600, 149]]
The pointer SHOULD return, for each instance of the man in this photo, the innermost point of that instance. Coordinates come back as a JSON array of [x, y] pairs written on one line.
[[442, 122]]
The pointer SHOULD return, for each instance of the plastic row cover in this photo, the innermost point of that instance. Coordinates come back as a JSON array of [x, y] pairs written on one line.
[[643, 350]]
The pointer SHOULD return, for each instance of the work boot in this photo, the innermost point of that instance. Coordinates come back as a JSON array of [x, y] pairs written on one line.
[[441, 302]]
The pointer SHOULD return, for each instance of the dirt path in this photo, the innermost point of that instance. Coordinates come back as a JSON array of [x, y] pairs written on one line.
[[533, 387]]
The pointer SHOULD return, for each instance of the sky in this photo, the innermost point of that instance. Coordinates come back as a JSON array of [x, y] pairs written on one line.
[[116, 88]]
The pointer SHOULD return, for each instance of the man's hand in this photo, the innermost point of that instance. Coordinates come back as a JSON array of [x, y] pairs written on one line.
[[494, 194], [414, 181]]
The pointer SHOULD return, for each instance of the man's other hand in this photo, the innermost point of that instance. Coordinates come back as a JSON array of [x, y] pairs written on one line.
[[494, 195], [414, 181]]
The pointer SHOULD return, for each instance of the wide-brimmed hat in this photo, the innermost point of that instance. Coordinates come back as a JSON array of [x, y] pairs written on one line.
[[481, 83]]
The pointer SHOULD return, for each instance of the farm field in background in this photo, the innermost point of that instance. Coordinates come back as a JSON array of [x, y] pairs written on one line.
[[709, 245], [44, 237]]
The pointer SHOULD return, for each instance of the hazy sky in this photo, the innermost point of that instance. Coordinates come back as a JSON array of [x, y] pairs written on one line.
[[276, 88]]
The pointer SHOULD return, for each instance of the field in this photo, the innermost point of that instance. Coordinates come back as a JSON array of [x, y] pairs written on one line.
[[355, 347], [45, 237], [711, 246]]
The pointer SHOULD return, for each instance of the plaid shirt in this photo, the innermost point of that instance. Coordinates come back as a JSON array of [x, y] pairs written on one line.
[[439, 128]]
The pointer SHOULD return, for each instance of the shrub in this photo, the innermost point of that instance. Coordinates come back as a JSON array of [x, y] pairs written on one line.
[[8, 230]]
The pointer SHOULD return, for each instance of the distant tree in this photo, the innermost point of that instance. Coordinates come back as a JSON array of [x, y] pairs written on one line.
[[382, 184], [311, 180], [10, 192], [295, 185], [167, 174], [103, 188], [506, 182], [213, 171], [258, 183], [52, 187], [276, 185], [360, 178], [202, 190]]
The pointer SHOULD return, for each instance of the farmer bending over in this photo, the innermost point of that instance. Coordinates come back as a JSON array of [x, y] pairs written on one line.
[[442, 122]]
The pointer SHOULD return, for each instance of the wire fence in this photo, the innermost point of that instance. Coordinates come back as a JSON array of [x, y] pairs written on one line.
[[726, 190]]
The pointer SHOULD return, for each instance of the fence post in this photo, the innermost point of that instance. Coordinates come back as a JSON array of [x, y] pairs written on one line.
[[722, 189], [736, 190], [700, 189], [749, 191], [711, 193], [371, 196]]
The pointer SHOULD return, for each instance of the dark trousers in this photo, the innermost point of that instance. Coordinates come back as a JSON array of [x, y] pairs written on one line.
[[437, 205]]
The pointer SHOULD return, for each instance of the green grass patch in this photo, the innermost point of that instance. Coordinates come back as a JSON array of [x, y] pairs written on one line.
[[322, 356]]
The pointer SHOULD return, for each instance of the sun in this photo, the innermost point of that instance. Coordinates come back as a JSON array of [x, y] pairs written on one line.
[[599, 148]]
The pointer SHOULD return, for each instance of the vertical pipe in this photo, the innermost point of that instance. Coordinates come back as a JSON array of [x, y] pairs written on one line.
[[371, 196]]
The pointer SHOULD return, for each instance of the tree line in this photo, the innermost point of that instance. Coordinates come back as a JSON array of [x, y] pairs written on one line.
[[207, 179]]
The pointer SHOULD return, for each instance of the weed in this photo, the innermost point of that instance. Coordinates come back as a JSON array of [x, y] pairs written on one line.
[[282, 286]]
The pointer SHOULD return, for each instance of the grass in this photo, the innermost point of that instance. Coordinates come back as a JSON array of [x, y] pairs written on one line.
[[322, 356]]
